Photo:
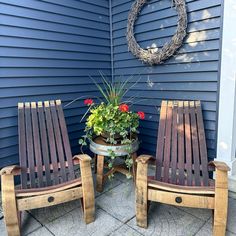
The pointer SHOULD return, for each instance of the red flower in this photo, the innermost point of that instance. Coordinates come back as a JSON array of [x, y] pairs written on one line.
[[124, 108], [141, 115], [88, 102]]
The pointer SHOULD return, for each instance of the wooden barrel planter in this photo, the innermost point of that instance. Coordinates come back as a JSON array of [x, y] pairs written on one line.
[[100, 147]]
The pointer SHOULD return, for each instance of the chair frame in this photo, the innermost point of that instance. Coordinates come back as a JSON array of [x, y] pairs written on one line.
[[213, 197], [15, 201]]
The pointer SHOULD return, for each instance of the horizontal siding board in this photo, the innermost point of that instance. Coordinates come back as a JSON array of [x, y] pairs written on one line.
[[193, 38], [171, 68], [48, 51], [27, 91], [190, 86], [47, 81], [6, 41], [178, 95], [191, 74], [47, 63], [161, 36], [168, 27], [69, 9], [43, 15], [179, 58], [206, 48], [51, 26], [85, 5], [38, 34], [168, 77], [36, 72], [156, 6], [15, 52], [164, 16]]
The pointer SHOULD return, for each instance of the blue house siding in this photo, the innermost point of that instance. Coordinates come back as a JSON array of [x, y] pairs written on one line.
[[192, 73], [47, 51]]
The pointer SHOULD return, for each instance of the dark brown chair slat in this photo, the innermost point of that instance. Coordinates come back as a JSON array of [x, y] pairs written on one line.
[[59, 147], [160, 140], [44, 143], [202, 144], [195, 144], [22, 144], [37, 146], [65, 139], [51, 139], [29, 144], [174, 143], [167, 142], [188, 143], [181, 142]]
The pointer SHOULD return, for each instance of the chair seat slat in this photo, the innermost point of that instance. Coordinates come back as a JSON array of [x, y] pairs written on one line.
[[195, 143], [52, 146], [22, 144], [160, 144], [174, 144], [202, 144], [37, 146], [58, 141], [65, 140], [188, 143], [181, 142], [29, 144], [44, 143], [167, 141]]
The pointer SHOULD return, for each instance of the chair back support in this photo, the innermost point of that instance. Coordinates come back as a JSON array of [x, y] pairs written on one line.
[[181, 156], [44, 149]]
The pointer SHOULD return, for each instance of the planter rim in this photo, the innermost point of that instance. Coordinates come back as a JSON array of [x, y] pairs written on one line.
[[119, 150]]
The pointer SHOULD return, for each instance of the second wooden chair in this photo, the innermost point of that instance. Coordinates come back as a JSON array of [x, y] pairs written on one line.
[[46, 166], [182, 168]]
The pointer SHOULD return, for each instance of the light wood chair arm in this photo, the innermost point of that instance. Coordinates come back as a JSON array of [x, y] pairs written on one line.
[[144, 159], [218, 165], [11, 170], [82, 157]]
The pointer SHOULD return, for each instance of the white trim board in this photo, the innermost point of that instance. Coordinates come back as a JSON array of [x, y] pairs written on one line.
[[226, 140]]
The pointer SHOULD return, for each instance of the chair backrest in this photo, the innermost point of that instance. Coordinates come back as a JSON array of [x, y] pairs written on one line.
[[181, 156], [44, 149]]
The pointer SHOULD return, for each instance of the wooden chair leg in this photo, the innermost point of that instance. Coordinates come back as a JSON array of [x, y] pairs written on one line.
[[95, 163], [9, 205], [141, 194], [134, 167], [221, 204], [100, 166], [88, 190]]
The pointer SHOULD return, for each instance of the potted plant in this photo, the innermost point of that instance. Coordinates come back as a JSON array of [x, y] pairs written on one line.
[[112, 118]]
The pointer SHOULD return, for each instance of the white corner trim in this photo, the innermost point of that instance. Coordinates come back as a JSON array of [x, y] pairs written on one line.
[[226, 140]]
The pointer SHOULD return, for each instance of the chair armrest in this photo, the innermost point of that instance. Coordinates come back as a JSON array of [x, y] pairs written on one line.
[[11, 170], [82, 157], [144, 158], [219, 165]]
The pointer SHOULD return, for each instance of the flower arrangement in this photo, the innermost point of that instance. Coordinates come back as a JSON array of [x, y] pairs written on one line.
[[112, 118]]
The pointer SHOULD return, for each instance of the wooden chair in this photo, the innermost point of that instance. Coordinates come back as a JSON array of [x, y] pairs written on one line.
[[182, 168], [46, 166]]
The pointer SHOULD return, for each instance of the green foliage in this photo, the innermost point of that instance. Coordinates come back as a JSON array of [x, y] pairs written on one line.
[[107, 118]]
